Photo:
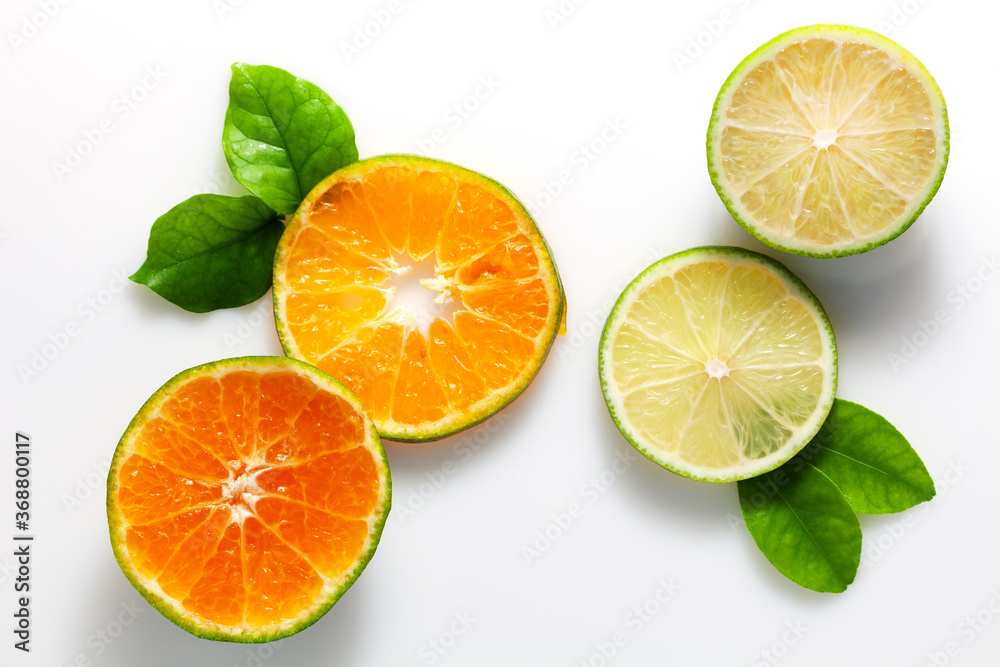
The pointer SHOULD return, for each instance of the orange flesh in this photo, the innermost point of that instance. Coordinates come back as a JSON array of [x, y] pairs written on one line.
[[343, 253], [244, 492]]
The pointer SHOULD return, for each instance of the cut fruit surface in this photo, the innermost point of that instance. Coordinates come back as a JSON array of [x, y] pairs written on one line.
[[246, 496], [718, 364], [376, 230], [828, 141]]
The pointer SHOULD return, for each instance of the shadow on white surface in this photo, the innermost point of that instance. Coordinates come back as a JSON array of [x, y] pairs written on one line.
[[151, 639]]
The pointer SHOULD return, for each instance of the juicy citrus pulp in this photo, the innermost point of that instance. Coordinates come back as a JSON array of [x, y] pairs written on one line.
[[497, 298], [828, 141], [718, 364], [246, 496]]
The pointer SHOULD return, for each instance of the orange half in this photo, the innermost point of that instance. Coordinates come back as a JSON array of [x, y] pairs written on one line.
[[246, 496], [494, 300]]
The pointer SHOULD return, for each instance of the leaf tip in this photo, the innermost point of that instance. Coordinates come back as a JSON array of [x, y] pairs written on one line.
[[140, 276]]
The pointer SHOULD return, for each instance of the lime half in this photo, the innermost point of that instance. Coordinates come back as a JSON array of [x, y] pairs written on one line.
[[718, 364], [828, 141]]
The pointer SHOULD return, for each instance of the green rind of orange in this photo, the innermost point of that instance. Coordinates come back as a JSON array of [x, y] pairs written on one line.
[[188, 621], [605, 368], [456, 421], [768, 49]]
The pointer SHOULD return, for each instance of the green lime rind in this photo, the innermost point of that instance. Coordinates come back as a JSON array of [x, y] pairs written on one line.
[[620, 309], [173, 611], [489, 406], [920, 201]]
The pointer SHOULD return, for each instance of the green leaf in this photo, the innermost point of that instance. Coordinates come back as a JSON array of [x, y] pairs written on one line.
[[804, 526], [283, 135], [212, 251], [869, 460]]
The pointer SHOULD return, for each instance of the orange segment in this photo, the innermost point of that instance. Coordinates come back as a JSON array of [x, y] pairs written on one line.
[[341, 482], [771, 199], [418, 396], [418, 372], [348, 220], [325, 320], [495, 348], [328, 541], [478, 222], [241, 410], [327, 424], [453, 365], [820, 220], [283, 397], [257, 546], [368, 363], [513, 259], [321, 264], [185, 566], [195, 410], [219, 595], [155, 491], [151, 545], [524, 306], [388, 193], [433, 198], [161, 441], [271, 598]]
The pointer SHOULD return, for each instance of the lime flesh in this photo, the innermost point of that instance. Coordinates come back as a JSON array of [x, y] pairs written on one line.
[[828, 141], [718, 364]]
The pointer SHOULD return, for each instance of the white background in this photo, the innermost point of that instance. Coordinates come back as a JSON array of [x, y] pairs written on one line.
[[68, 238]]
